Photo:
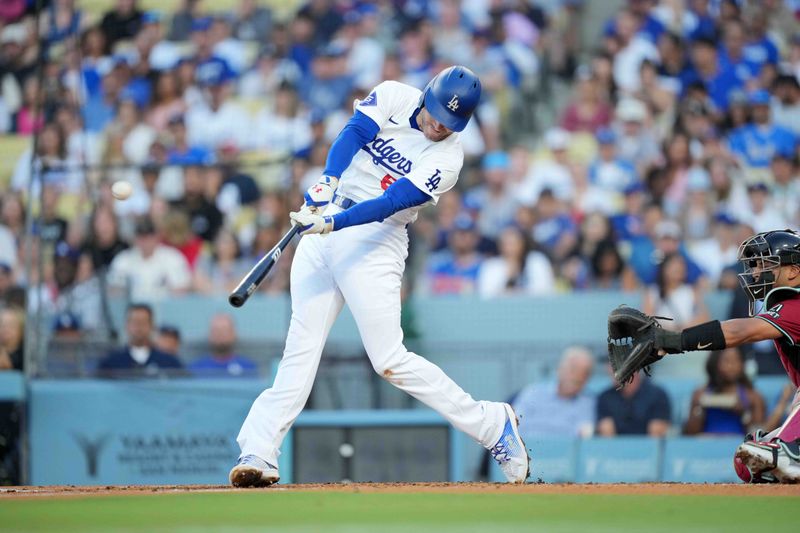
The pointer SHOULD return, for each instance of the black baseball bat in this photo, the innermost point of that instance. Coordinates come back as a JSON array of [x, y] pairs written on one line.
[[253, 279]]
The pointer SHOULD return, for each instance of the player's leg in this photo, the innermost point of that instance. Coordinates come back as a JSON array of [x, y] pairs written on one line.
[[774, 457], [369, 274], [316, 302]]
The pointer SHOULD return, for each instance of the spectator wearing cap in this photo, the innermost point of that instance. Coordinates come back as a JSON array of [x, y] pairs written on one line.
[[553, 172], [182, 153], [762, 215], [707, 70], [284, 128], [629, 223], [648, 252], [223, 361], [150, 271], [139, 357], [785, 108], [674, 63], [554, 230], [328, 84], [587, 110], [755, 143], [786, 187], [218, 120], [493, 202], [226, 45], [718, 253], [17, 64], [168, 339], [163, 54], [454, 271], [637, 141], [252, 21], [121, 22], [608, 175]]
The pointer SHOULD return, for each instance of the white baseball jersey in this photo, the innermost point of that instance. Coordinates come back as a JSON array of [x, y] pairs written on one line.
[[400, 151]]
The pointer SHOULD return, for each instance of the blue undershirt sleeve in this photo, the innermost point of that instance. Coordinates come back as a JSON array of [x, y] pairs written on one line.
[[358, 131], [400, 195]]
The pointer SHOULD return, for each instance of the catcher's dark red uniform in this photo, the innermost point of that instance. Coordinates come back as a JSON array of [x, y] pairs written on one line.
[[783, 311]]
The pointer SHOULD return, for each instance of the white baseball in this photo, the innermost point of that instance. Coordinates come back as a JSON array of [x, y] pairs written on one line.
[[121, 190]]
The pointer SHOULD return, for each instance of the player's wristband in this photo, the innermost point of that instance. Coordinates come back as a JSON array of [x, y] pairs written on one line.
[[706, 336]]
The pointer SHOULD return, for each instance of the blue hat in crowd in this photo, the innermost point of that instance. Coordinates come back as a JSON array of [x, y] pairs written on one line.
[[606, 136], [496, 160], [201, 24], [213, 73], [724, 218], [633, 188], [66, 321], [151, 17], [464, 222], [64, 251], [758, 97]]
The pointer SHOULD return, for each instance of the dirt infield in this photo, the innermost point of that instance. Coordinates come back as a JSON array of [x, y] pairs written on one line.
[[665, 489]]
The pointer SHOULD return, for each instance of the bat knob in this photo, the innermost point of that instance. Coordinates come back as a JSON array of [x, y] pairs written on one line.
[[236, 300]]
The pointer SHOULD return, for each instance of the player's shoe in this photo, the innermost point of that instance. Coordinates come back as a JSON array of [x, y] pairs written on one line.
[[776, 459], [252, 471], [510, 452]]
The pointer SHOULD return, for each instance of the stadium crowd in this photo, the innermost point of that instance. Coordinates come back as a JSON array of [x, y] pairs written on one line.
[[675, 140]]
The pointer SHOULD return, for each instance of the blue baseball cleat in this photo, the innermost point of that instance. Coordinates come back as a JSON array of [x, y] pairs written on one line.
[[510, 452], [252, 471]]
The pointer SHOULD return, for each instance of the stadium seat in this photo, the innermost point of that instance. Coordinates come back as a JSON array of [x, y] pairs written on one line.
[[618, 460], [771, 388], [700, 459], [680, 392]]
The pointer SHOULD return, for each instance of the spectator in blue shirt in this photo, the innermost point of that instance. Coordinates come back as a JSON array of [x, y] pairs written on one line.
[[223, 360], [707, 69], [647, 253], [328, 85], [139, 357], [639, 408], [554, 230], [731, 54], [629, 224], [609, 172], [562, 407], [181, 152], [455, 270], [756, 143]]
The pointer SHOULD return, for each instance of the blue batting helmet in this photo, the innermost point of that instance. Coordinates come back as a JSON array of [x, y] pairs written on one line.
[[451, 96]]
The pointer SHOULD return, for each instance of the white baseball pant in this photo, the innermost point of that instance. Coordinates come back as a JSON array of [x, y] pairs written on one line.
[[363, 266]]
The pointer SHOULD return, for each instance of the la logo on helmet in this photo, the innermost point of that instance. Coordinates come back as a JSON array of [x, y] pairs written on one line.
[[452, 105]]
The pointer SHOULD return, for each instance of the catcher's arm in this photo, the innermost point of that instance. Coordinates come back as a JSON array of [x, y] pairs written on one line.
[[636, 340]]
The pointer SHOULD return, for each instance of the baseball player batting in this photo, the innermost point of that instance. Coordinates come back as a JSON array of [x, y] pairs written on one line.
[[771, 263], [399, 152]]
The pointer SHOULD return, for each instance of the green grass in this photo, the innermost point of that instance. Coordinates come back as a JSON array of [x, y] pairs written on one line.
[[294, 512]]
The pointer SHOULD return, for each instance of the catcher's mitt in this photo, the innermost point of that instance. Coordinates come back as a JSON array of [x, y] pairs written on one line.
[[634, 342]]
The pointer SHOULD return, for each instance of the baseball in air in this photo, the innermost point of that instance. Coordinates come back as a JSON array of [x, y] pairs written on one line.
[[121, 190]]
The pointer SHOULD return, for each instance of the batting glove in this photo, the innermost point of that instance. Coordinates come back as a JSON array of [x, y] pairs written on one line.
[[319, 195], [311, 222]]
